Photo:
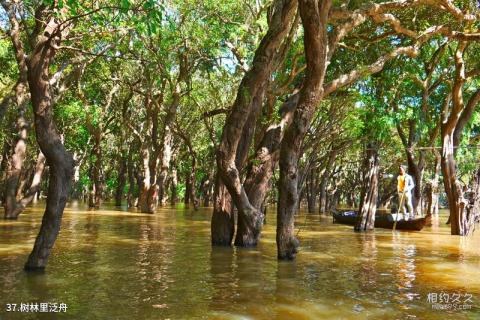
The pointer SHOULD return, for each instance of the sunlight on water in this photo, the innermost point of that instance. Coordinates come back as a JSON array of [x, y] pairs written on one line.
[[113, 264]]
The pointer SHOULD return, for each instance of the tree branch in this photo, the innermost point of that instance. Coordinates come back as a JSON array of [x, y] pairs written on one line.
[[377, 66]]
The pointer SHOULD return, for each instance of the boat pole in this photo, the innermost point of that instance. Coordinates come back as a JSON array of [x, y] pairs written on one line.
[[400, 205]]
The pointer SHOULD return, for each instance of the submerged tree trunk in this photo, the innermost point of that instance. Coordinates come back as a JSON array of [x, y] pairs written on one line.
[[145, 187], [332, 155], [314, 19], [207, 190], [165, 164], [471, 204], [260, 172], [131, 198], [453, 187], [122, 181], [368, 198], [249, 96], [173, 187], [311, 190], [166, 135], [453, 122], [333, 198], [17, 160], [91, 190], [249, 227], [3, 170], [59, 160], [193, 183], [14, 169], [431, 190], [223, 219], [96, 177], [188, 193], [151, 189], [223, 203], [149, 150], [76, 189]]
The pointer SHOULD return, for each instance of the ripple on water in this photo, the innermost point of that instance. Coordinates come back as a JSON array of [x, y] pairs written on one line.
[[123, 265]]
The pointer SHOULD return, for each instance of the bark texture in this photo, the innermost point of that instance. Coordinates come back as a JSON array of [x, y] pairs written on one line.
[[59, 160], [460, 222], [223, 219], [20, 99], [236, 136], [314, 16], [368, 198], [122, 180], [32, 191]]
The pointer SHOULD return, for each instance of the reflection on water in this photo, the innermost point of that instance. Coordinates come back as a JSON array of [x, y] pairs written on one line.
[[124, 265]]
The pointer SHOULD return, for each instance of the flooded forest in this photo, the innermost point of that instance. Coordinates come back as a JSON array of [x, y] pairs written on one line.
[[239, 159]]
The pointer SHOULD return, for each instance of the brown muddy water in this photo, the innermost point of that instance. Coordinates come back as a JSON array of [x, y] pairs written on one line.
[[112, 264]]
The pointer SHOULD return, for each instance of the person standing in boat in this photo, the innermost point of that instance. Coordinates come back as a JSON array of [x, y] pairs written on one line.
[[405, 186]]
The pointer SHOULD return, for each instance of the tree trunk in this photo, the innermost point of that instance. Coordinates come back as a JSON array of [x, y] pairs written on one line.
[[96, 176], [7, 100], [322, 202], [131, 198], [165, 164], [143, 201], [188, 192], [17, 160], [33, 190], [91, 191], [193, 173], [249, 227], [122, 181], [249, 96], [173, 187], [14, 169], [332, 155], [152, 198], [368, 202], [207, 190], [24, 178], [452, 185], [3, 170], [416, 171], [314, 19], [59, 160], [311, 191], [388, 191], [76, 189], [471, 204], [191, 184], [167, 137], [432, 188], [333, 200], [223, 219], [451, 127]]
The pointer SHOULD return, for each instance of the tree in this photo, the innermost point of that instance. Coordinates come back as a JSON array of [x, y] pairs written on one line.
[[230, 156], [368, 198], [50, 34], [453, 122]]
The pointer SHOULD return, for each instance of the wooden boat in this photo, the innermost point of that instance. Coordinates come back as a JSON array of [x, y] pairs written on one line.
[[385, 221], [345, 217]]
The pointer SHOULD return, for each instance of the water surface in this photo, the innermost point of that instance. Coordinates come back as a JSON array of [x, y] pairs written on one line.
[[112, 264]]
